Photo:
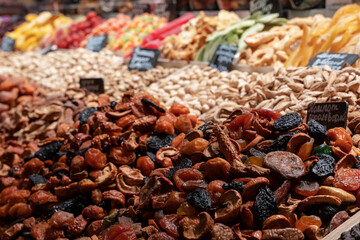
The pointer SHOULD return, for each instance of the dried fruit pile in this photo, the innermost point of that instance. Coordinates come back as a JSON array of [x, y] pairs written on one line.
[[134, 169]]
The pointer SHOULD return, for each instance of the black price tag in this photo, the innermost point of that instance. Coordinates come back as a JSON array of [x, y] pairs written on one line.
[[7, 44], [335, 60], [223, 58], [48, 49], [95, 85], [97, 43], [333, 114], [266, 6], [143, 59]]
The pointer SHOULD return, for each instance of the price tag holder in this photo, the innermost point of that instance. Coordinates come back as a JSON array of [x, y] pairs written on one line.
[[335, 60], [95, 85], [7, 44], [332, 114], [46, 50], [143, 59], [223, 58], [97, 43], [266, 6]]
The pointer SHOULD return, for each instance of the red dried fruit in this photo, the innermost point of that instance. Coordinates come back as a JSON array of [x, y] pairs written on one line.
[[42, 197], [164, 125], [61, 219], [145, 164], [192, 185], [179, 109], [196, 145], [94, 212], [186, 174], [170, 223], [306, 221], [183, 123], [77, 226], [306, 188], [120, 232], [126, 121], [339, 137], [215, 191], [95, 158], [119, 155], [347, 179]]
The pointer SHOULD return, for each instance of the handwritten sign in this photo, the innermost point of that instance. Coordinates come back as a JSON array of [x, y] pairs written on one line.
[[143, 59], [333, 114], [223, 58], [95, 85], [7, 44], [265, 6], [97, 43], [335, 60], [48, 49]]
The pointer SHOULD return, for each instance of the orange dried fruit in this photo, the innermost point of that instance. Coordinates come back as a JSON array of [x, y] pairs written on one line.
[[258, 161], [347, 179], [306, 221]]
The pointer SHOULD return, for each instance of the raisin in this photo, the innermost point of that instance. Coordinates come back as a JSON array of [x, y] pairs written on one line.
[[199, 199], [47, 152], [184, 163], [112, 104], [86, 113], [287, 122], [37, 179], [281, 142], [257, 153], [159, 141], [317, 131], [355, 232], [238, 186], [327, 211], [346, 236], [265, 205], [324, 167]]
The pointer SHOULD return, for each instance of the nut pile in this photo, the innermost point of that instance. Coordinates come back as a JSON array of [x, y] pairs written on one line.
[[134, 169], [216, 94], [62, 69]]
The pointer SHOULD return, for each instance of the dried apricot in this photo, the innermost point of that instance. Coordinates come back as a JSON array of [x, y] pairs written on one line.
[[347, 179], [164, 125], [186, 174], [339, 137], [170, 223], [215, 190], [178, 109], [183, 123], [126, 121], [145, 164], [196, 145], [95, 158], [306, 221], [306, 188], [120, 232], [258, 161]]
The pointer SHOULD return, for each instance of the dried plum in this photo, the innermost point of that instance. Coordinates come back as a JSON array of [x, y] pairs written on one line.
[[355, 232], [346, 236], [238, 186], [184, 163], [199, 199], [86, 113], [317, 131], [73, 205], [324, 167], [327, 211], [112, 104], [280, 143], [158, 141], [151, 155], [72, 153], [287, 122], [265, 205], [48, 151], [147, 102], [37, 179], [257, 153]]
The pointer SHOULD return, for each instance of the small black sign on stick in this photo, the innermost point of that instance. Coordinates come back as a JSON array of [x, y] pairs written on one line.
[[7, 44], [332, 114], [143, 59], [335, 60], [97, 43], [223, 58], [266, 6], [95, 85]]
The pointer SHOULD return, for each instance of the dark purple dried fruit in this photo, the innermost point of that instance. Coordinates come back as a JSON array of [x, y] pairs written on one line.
[[184, 163], [112, 104], [199, 199], [86, 113], [238, 186], [147, 102], [317, 131], [287, 122], [324, 167], [37, 179], [265, 205], [159, 141], [280, 143]]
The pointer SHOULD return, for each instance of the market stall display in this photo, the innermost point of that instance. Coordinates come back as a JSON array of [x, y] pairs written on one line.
[[8, 24], [36, 27]]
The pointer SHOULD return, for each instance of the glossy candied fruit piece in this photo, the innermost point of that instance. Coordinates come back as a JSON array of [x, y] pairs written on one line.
[[258, 161], [178, 109], [347, 179], [305, 221], [306, 188], [339, 137]]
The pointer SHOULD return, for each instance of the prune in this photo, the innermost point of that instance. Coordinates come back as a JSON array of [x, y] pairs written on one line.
[[280, 143], [37, 179], [199, 199], [48, 151], [257, 153], [74, 205], [265, 205], [327, 211], [112, 104], [72, 153], [238, 186], [159, 141], [184, 163], [324, 167], [147, 102], [355, 232], [287, 122], [317, 131], [151, 155], [86, 113], [204, 126], [346, 236]]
